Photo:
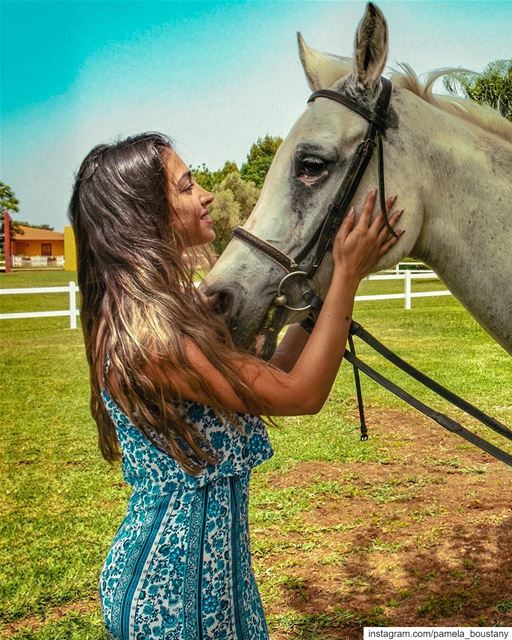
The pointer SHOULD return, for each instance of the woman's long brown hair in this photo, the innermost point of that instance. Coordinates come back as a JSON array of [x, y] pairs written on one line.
[[138, 300]]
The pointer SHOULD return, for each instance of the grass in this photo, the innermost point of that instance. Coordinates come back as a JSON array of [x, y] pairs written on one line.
[[62, 503]]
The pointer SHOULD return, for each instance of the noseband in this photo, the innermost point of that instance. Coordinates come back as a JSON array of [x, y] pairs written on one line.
[[301, 266]]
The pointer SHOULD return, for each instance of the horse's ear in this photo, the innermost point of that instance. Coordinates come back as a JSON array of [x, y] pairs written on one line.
[[371, 46], [321, 69]]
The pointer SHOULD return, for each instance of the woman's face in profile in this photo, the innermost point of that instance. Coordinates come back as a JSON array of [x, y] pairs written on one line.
[[189, 202]]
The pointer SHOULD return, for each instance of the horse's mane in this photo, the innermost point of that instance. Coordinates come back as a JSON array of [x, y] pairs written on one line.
[[482, 116]]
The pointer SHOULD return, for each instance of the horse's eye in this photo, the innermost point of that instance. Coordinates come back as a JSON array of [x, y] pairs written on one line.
[[312, 166]]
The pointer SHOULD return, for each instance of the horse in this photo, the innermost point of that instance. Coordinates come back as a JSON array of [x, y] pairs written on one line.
[[448, 159]]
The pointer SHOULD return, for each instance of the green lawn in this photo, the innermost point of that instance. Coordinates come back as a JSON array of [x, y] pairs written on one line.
[[62, 502]]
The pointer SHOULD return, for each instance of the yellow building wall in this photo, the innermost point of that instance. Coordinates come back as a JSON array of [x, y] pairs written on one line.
[[69, 249], [33, 247]]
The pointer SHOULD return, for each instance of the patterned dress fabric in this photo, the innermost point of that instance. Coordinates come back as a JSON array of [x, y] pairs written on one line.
[[179, 567]]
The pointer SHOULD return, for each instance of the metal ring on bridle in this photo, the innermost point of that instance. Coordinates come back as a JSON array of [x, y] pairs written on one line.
[[280, 299]]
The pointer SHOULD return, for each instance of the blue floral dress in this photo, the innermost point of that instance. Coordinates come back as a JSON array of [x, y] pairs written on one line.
[[179, 567]]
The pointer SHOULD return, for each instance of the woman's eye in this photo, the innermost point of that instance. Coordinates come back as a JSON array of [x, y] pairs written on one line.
[[312, 166], [190, 187]]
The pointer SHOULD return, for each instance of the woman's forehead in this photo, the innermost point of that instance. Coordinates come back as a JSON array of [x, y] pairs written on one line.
[[176, 167]]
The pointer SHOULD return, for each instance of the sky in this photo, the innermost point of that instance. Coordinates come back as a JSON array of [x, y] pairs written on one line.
[[214, 76]]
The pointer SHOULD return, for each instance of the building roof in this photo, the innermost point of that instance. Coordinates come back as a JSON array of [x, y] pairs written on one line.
[[38, 234]]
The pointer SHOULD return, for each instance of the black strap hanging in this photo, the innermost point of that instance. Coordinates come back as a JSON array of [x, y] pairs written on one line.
[[357, 380]]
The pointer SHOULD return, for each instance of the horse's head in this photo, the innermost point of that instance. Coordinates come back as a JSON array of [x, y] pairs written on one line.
[[302, 183]]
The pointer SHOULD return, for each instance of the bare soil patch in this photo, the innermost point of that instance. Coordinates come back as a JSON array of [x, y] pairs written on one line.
[[424, 539]]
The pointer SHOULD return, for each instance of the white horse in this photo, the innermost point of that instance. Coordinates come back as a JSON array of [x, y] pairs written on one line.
[[448, 159]]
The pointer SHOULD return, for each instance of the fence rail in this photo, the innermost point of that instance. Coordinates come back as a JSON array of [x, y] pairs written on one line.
[[408, 294], [72, 312]]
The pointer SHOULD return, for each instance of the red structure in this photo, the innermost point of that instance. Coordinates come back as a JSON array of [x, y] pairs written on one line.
[[7, 241]]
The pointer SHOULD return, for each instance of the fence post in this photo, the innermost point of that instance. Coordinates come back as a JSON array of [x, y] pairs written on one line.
[[72, 305], [408, 287]]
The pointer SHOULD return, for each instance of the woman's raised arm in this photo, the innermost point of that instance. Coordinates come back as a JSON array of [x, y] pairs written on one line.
[[305, 387]]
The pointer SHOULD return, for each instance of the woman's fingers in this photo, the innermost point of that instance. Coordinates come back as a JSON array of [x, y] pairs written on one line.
[[347, 224], [367, 210], [390, 242], [378, 221], [393, 219]]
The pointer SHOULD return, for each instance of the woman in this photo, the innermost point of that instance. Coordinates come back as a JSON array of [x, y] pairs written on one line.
[[174, 397]]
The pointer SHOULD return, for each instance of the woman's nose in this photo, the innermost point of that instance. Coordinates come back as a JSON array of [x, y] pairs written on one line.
[[207, 197]]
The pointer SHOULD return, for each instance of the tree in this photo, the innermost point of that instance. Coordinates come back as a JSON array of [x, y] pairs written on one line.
[[225, 213], [493, 86], [9, 203], [259, 159], [7, 199], [211, 179], [244, 193], [234, 200], [33, 226]]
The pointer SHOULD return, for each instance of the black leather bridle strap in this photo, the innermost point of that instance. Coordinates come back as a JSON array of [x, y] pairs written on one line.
[[377, 117], [350, 184], [265, 247], [323, 237]]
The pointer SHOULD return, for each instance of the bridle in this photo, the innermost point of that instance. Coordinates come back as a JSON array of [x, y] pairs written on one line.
[[306, 263], [321, 241]]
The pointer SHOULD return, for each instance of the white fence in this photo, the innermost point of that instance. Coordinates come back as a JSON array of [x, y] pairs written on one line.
[[18, 261], [72, 312], [408, 294], [72, 289]]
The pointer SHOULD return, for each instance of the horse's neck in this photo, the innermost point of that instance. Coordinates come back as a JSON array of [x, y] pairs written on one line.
[[466, 236]]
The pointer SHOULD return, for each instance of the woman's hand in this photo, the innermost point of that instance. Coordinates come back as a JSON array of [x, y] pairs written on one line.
[[359, 245]]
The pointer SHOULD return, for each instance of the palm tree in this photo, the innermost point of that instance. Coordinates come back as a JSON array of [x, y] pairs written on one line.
[[493, 86]]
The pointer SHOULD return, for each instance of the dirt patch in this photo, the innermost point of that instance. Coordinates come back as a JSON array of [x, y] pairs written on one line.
[[424, 539], [34, 623]]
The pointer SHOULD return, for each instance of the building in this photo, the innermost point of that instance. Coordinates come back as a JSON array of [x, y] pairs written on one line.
[[38, 246]]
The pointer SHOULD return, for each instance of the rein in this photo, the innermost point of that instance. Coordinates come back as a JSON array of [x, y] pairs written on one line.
[[445, 421]]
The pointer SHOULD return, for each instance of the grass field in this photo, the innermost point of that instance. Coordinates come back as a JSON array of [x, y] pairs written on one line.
[[411, 527]]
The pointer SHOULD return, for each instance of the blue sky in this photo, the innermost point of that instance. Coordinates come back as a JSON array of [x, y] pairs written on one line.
[[214, 76]]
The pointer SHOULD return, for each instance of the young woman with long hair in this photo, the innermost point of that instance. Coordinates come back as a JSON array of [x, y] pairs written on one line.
[[176, 400]]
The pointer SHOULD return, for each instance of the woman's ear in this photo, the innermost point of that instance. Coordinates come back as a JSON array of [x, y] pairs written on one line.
[[371, 47]]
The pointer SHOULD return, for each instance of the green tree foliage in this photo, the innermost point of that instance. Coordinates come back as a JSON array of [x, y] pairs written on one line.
[[245, 193], [493, 86], [236, 192], [7, 198], [225, 212], [210, 179], [234, 200], [9, 203], [259, 159], [33, 226]]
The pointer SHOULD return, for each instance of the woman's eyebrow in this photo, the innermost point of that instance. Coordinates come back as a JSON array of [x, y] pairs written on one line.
[[185, 177]]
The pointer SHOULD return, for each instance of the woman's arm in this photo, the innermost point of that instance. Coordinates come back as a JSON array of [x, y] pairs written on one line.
[[290, 348], [305, 387]]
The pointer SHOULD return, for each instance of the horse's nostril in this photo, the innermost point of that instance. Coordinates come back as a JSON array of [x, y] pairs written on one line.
[[225, 301], [221, 301]]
